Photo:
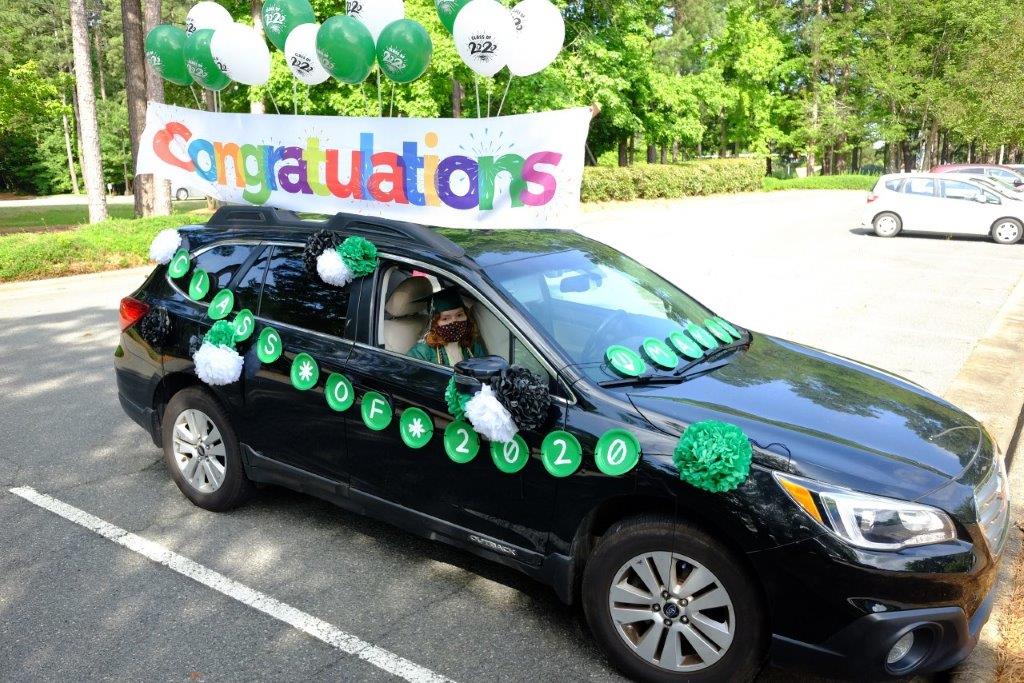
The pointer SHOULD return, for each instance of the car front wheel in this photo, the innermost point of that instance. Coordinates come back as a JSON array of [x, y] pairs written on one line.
[[1007, 231], [887, 224], [201, 451], [668, 602], [181, 194]]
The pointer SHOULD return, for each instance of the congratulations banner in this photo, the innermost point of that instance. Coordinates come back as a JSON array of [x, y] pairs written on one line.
[[508, 172]]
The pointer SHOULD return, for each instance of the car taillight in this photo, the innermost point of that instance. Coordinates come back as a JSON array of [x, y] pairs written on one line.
[[132, 311], [872, 197]]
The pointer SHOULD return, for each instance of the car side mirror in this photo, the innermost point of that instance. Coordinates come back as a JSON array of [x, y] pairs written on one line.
[[981, 198], [472, 372]]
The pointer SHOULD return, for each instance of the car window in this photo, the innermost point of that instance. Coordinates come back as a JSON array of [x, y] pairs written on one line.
[[992, 198], [920, 186], [247, 291], [293, 296], [893, 185], [954, 189], [1002, 174], [222, 262]]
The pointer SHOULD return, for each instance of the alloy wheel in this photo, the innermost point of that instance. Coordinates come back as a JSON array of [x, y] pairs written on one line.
[[672, 612], [199, 451]]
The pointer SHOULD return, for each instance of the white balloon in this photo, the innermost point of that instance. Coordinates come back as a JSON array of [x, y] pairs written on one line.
[[539, 36], [483, 35], [376, 14], [206, 14], [241, 53], [300, 53]]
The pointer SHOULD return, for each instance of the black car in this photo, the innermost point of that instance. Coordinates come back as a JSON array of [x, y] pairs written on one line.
[[863, 543]]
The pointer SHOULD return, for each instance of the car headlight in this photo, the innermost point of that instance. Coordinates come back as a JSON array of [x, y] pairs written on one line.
[[866, 521]]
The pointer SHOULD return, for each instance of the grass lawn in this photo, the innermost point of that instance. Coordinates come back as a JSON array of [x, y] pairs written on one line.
[[20, 219], [112, 244], [822, 182]]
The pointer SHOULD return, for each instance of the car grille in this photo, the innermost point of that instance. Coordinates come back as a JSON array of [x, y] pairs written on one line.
[[991, 498]]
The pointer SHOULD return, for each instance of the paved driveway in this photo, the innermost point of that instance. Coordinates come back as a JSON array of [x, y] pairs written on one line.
[[76, 606]]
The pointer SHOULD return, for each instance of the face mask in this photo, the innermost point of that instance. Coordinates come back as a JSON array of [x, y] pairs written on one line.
[[453, 332]]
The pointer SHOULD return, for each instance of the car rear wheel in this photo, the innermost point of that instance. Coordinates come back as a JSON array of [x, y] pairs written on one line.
[[887, 224], [1007, 231], [181, 194], [667, 602], [201, 451]]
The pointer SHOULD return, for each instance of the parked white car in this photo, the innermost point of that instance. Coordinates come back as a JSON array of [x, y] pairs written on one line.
[[183, 192], [942, 203]]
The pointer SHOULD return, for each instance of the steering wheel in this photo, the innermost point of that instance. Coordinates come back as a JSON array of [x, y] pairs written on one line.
[[592, 343]]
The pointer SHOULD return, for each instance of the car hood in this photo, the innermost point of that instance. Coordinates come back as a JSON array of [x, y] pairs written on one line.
[[837, 420]]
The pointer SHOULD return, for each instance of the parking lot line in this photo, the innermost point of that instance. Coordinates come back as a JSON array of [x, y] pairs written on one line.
[[296, 618]]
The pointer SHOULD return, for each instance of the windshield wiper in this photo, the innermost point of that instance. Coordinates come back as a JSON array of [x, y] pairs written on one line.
[[680, 375]]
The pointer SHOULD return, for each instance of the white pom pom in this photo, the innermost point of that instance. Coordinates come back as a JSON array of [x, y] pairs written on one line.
[[217, 365], [489, 418], [164, 245], [332, 269]]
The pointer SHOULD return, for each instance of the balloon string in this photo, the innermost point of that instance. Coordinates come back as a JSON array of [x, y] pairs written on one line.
[[507, 85], [391, 110], [488, 102], [273, 101], [295, 98], [380, 102], [476, 86], [195, 97]]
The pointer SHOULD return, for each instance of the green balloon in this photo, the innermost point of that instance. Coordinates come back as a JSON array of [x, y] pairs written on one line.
[[345, 48], [201, 64], [281, 16], [403, 50], [447, 10], [165, 52]]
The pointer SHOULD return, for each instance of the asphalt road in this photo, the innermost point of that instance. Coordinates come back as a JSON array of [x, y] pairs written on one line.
[[76, 606]]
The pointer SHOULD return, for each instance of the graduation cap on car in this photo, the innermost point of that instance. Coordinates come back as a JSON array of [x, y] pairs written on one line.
[[446, 299]]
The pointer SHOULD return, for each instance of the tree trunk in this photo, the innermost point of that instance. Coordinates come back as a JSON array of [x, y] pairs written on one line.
[[456, 99], [135, 96], [98, 44], [970, 152], [92, 166], [675, 151], [623, 153], [155, 93], [72, 171], [855, 159], [652, 154], [908, 157], [256, 105]]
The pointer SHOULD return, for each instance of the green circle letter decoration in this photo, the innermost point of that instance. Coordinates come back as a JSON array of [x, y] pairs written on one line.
[[561, 454], [461, 443], [510, 457], [199, 287], [376, 411], [719, 331], [339, 392], [701, 335], [617, 452], [305, 372], [179, 264], [625, 361], [728, 327], [416, 427], [685, 346], [221, 305], [245, 325], [269, 346], [660, 354]]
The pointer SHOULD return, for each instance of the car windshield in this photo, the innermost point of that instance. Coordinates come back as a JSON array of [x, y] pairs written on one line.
[[590, 298]]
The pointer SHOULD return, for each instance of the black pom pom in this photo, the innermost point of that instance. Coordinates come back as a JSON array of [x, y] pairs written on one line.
[[526, 396], [319, 242], [155, 327]]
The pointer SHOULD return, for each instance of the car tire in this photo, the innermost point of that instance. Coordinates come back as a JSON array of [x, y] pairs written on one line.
[[181, 195], [887, 224], [740, 647], [1007, 231], [201, 451]]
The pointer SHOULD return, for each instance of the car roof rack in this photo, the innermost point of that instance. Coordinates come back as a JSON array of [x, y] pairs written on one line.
[[269, 217]]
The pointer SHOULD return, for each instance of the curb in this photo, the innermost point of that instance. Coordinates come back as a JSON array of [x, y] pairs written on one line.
[[990, 387]]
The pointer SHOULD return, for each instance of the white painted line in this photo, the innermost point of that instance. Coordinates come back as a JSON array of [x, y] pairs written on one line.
[[307, 623]]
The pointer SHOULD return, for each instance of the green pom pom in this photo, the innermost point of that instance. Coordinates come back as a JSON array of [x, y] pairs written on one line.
[[221, 334], [456, 401], [359, 254], [714, 456]]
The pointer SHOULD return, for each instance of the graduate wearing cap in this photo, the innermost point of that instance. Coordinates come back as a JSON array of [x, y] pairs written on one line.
[[452, 336]]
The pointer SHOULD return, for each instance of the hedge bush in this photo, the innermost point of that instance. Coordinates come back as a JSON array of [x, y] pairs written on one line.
[[669, 181]]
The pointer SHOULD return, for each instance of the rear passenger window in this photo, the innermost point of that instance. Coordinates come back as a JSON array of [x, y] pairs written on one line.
[[893, 185], [295, 297], [223, 262], [247, 291], [921, 186]]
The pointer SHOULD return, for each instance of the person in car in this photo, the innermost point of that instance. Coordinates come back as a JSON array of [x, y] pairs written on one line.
[[452, 336]]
